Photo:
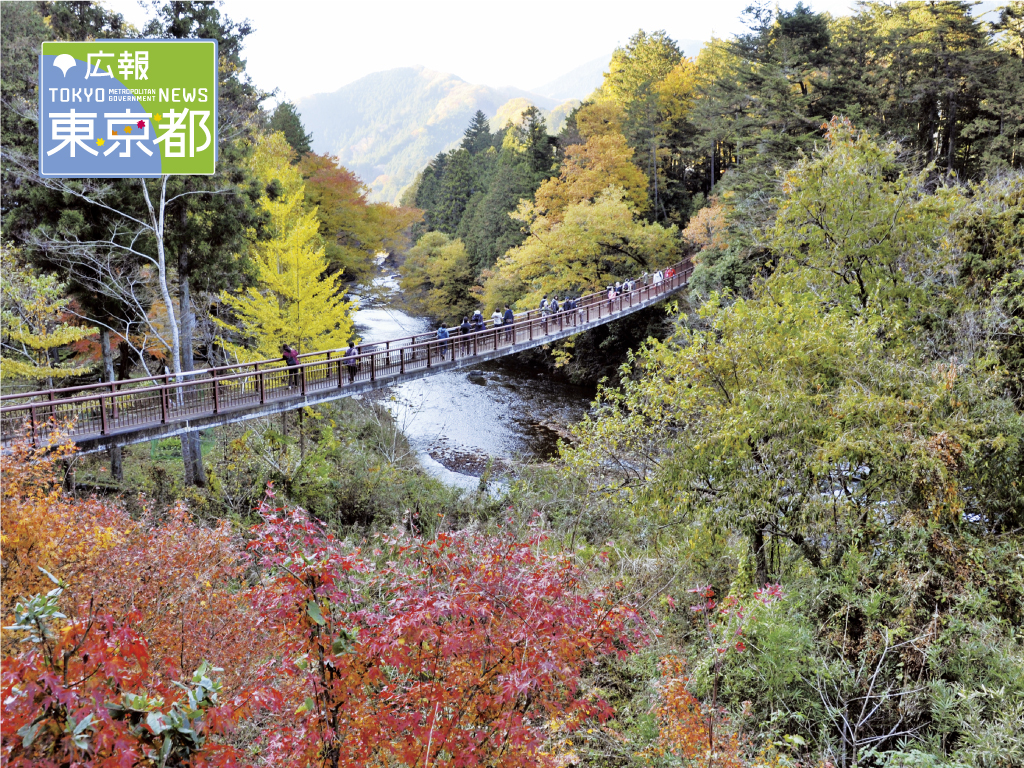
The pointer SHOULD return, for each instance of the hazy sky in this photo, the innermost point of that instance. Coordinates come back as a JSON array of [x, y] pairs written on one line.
[[306, 46]]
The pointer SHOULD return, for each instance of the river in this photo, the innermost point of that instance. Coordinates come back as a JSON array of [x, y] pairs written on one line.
[[459, 421]]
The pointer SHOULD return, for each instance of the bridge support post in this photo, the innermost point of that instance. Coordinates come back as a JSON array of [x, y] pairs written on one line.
[[401, 359], [373, 367], [103, 415]]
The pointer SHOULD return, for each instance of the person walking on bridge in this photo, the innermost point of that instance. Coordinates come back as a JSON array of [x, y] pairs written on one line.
[[478, 321], [351, 361], [442, 335], [291, 359], [496, 318], [466, 329], [508, 320]]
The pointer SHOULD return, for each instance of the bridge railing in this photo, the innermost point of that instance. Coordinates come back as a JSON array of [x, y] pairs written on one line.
[[109, 407]]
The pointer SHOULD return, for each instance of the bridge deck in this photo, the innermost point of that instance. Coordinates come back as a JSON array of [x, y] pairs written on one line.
[[97, 416]]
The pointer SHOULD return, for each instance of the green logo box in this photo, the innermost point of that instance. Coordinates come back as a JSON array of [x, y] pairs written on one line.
[[128, 108]]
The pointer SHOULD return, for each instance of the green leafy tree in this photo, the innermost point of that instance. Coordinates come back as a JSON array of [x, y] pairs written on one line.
[[438, 277], [529, 137], [930, 76], [492, 231], [454, 190], [853, 215]]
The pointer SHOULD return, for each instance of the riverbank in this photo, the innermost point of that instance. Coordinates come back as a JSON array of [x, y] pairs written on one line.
[[467, 424]]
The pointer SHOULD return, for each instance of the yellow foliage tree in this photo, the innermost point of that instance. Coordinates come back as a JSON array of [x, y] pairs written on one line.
[[34, 326], [438, 276], [678, 91], [294, 301], [593, 244], [708, 229], [603, 161]]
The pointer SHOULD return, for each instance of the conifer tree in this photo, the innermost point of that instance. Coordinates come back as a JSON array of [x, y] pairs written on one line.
[[285, 119], [477, 135], [454, 191]]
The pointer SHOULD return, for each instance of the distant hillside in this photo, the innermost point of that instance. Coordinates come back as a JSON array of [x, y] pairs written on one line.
[[577, 84], [386, 126]]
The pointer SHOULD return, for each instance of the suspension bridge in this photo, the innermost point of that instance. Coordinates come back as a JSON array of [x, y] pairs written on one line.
[[99, 416]]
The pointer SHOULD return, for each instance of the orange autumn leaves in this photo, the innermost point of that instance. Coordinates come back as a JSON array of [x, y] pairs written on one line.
[[43, 528], [178, 578], [689, 729]]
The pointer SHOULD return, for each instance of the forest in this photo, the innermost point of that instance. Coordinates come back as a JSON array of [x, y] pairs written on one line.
[[788, 532]]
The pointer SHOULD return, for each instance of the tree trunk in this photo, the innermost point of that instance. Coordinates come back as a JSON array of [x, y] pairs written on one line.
[[191, 448], [714, 149], [124, 361], [951, 137], [116, 466], [760, 556], [156, 218]]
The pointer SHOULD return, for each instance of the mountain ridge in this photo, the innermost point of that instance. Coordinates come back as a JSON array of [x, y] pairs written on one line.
[[387, 125]]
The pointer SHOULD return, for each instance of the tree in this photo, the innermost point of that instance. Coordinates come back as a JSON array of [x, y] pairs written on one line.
[[477, 137], [779, 65], [35, 324], [285, 119], [529, 138], [294, 300], [438, 276], [990, 232], [455, 188], [925, 75], [603, 161], [844, 389], [633, 82], [354, 230], [123, 243], [491, 231], [855, 217], [592, 245]]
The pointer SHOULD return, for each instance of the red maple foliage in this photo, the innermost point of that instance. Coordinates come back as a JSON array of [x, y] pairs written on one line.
[[454, 650], [83, 695]]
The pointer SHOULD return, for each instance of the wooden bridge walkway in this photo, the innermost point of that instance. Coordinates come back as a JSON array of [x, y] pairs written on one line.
[[97, 416]]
